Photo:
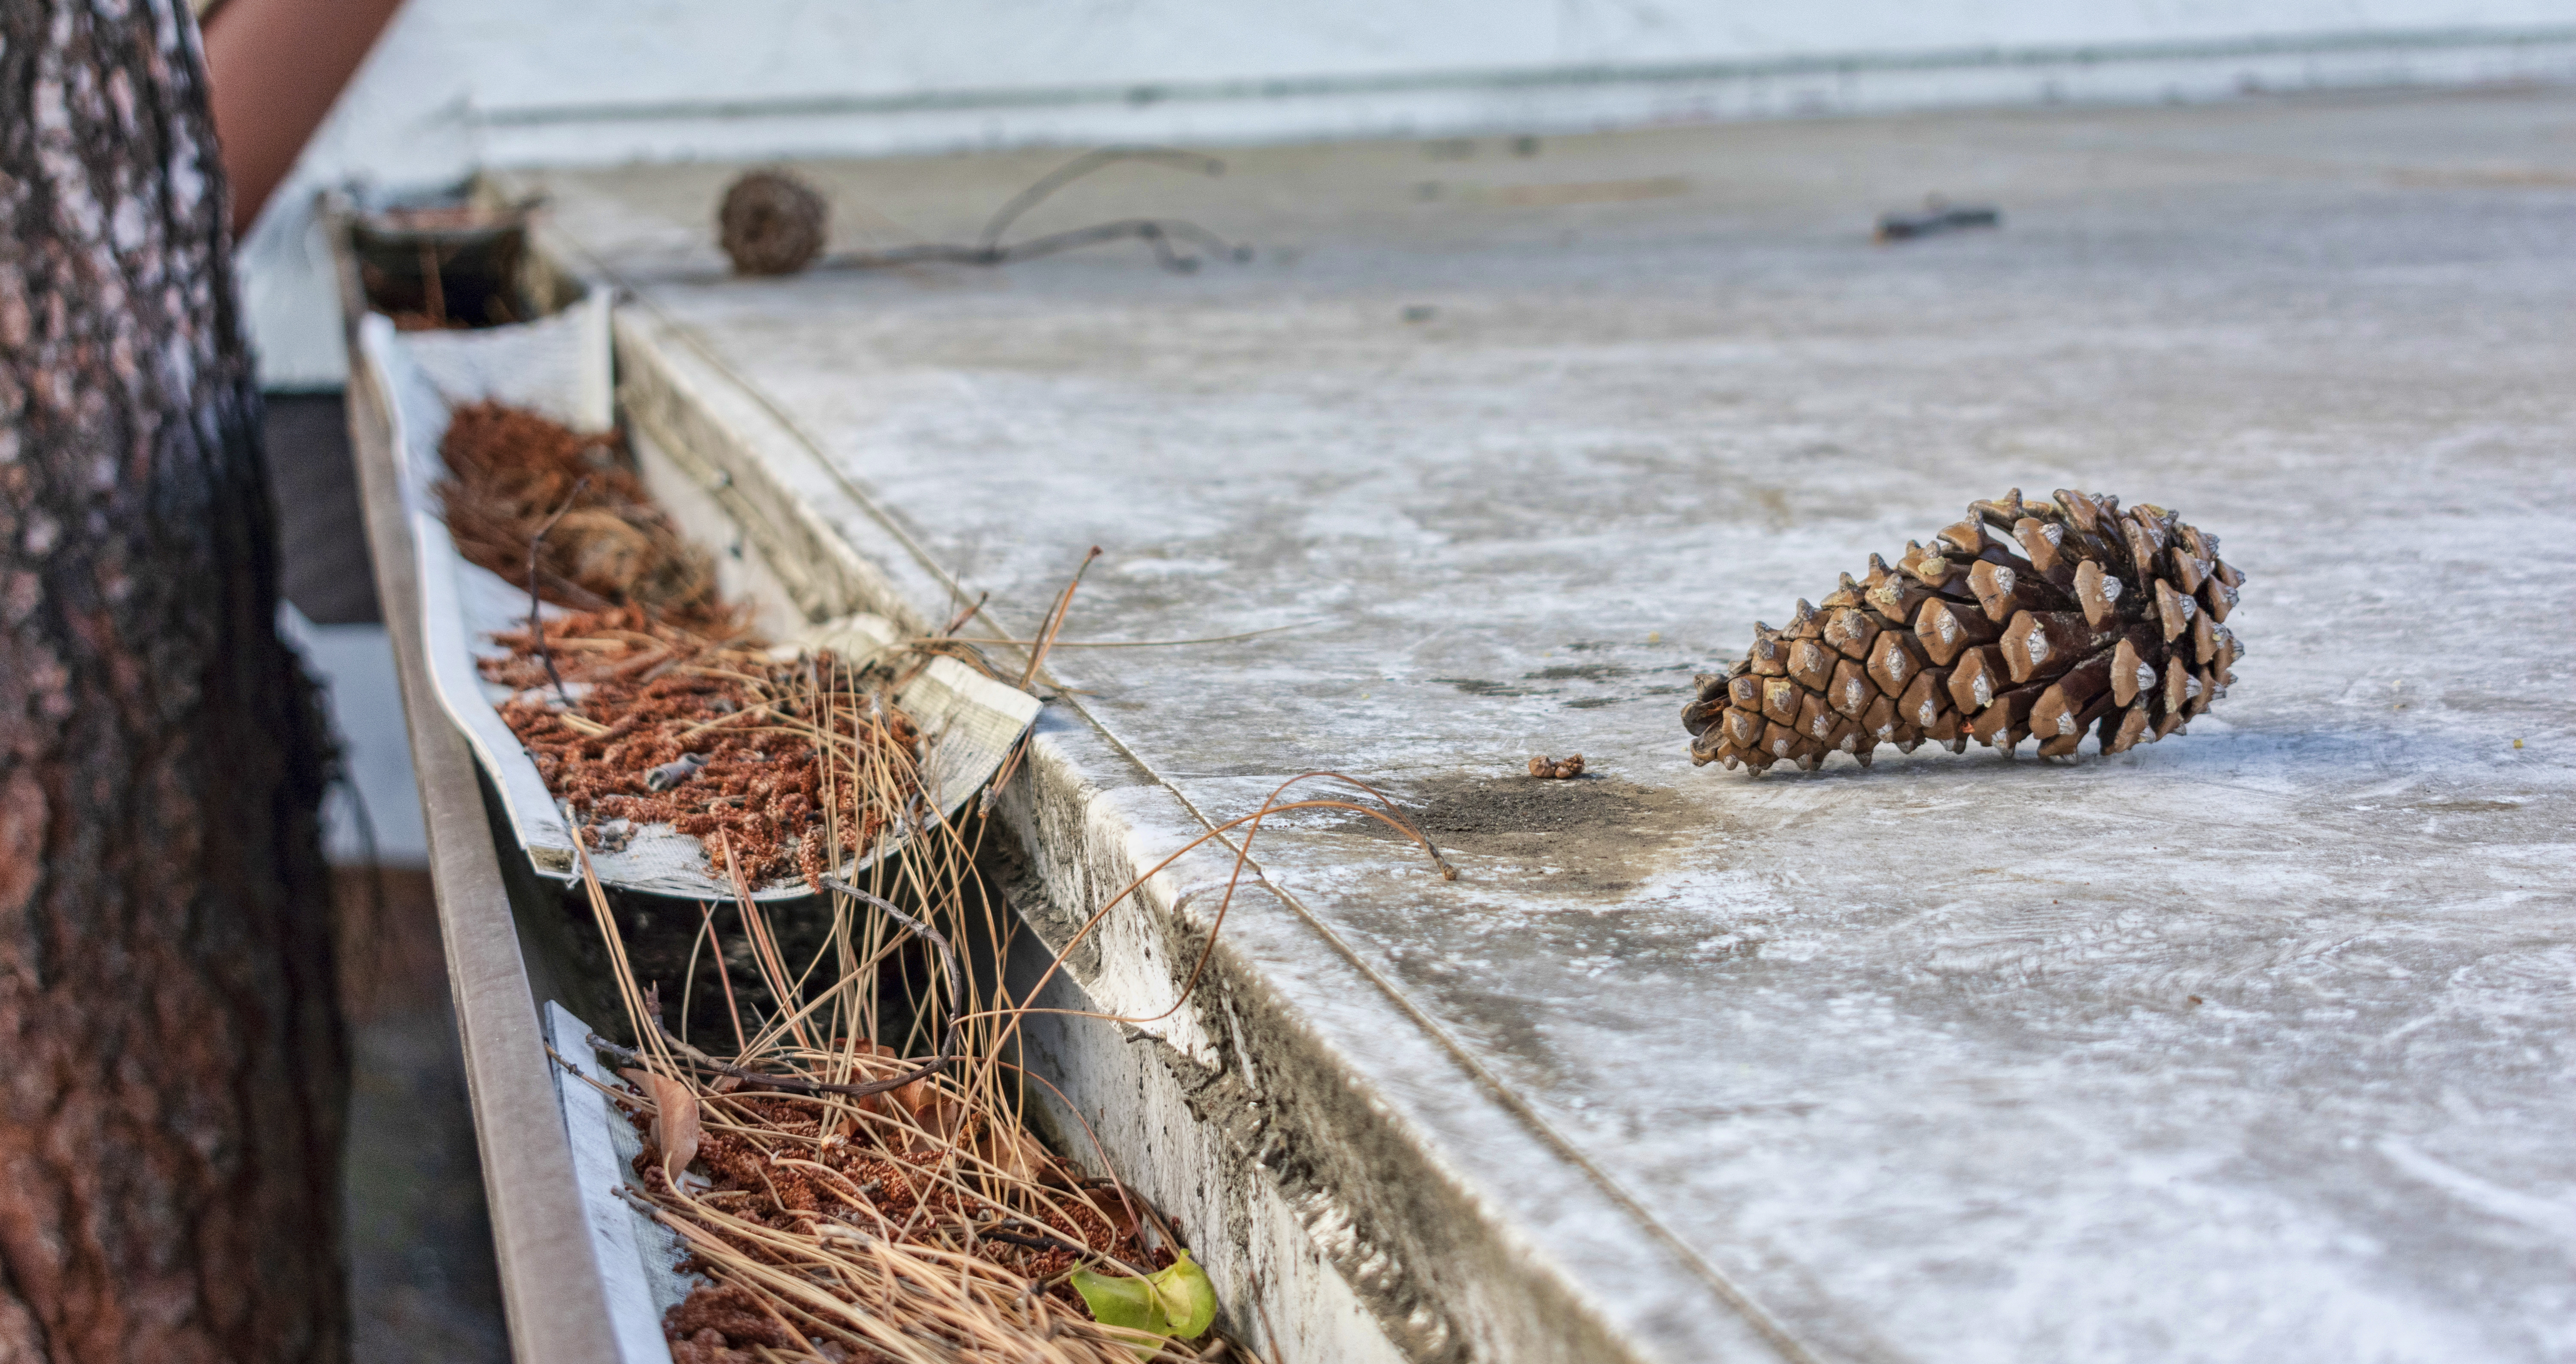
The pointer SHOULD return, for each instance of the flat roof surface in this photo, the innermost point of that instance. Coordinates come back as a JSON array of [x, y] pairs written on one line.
[[2253, 1044]]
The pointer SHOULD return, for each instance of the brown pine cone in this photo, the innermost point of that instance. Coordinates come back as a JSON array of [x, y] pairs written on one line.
[[771, 223], [2026, 619]]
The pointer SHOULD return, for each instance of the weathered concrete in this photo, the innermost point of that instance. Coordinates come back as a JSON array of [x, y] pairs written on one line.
[[2252, 1045]]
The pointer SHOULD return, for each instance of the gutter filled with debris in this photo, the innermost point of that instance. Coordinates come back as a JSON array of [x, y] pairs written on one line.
[[832, 1145]]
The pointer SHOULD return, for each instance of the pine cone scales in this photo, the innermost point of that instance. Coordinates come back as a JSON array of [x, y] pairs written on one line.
[[2022, 620]]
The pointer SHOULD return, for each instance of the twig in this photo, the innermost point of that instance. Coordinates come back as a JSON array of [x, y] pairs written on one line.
[[1269, 1333], [1144, 643], [1083, 165], [987, 249], [964, 616], [724, 977], [752, 1079], [1157, 233], [1041, 1241], [1055, 620], [433, 289]]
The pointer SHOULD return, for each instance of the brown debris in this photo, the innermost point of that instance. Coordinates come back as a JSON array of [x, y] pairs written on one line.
[[777, 1168], [682, 718], [1549, 768], [731, 1313], [675, 1118], [2045, 620], [735, 724], [511, 471]]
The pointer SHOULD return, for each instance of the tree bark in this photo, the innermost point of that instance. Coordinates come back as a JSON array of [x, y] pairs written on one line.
[[170, 1060]]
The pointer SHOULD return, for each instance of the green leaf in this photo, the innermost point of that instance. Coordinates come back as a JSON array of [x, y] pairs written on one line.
[[1178, 1302], [1188, 1299], [1120, 1301]]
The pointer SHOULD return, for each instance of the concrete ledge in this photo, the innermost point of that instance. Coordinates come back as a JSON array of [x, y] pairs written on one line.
[[1315, 1188], [747, 458], [2246, 1046]]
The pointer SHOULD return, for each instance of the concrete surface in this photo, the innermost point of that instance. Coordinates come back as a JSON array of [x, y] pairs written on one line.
[[458, 85], [2253, 1045]]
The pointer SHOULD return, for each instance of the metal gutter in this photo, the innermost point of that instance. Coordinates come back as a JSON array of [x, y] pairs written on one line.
[[550, 1285]]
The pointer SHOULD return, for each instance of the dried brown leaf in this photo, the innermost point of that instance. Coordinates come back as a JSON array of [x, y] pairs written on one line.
[[944, 1122], [907, 1099], [675, 1119], [1015, 1154]]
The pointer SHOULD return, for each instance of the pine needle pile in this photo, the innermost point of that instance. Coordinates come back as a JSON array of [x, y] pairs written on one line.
[[854, 1177], [2023, 620], [850, 1200]]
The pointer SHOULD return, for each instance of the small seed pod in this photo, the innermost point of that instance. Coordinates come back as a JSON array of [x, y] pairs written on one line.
[[772, 223]]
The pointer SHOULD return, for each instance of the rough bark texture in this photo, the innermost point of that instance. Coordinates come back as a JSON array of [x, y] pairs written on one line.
[[170, 1062]]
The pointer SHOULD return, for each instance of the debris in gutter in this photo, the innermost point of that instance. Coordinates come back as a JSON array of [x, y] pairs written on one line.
[[1939, 215], [444, 267], [605, 545], [853, 1177], [855, 1181], [674, 772], [649, 703]]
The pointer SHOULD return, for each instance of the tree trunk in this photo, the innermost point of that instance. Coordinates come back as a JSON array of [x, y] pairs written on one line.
[[170, 1062]]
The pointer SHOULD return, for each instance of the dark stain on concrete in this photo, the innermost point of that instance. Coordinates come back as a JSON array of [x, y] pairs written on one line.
[[1602, 834], [1589, 672], [1476, 686], [1481, 809]]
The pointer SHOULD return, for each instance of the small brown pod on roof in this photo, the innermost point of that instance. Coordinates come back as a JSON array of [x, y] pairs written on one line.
[[772, 223], [2045, 620]]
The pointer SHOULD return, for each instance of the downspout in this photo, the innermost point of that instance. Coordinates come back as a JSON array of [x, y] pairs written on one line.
[[274, 68]]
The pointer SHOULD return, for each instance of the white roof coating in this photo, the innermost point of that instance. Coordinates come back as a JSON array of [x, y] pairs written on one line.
[[2255, 1044]]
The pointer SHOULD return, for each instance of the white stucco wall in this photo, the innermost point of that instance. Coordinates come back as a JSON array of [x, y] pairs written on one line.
[[459, 83]]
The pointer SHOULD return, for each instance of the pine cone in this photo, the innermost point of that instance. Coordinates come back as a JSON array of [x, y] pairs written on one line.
[[772, 223], [2026, 619]]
